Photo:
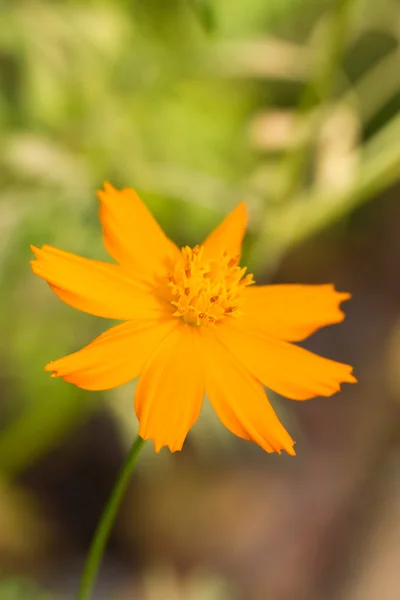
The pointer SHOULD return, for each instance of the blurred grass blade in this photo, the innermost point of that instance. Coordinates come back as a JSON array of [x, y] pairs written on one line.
[[205, 13], [313, 210]]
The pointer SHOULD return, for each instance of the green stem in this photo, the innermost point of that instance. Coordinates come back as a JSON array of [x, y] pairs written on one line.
[[104, 527]]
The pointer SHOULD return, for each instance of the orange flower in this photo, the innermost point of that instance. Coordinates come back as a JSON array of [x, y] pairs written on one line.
[[193, 324]]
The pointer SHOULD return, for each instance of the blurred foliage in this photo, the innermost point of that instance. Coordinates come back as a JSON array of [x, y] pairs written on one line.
[[21, 590], [291, 104], [196, 586], [205, 12], [24, 531]]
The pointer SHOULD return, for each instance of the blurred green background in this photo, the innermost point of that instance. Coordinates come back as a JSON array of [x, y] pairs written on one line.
[[294, 106]]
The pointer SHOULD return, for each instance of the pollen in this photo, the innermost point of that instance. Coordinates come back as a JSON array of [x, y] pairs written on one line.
[[205, 291]]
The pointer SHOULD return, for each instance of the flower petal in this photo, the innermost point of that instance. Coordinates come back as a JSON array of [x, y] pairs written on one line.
[[131, 234], [114, 358], [229, 234], [170, 390], [285, 368], [95, 287], [239, 400], [291, 312]]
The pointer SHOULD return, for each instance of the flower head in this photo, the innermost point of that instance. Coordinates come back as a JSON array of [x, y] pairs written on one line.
[[193, 323]]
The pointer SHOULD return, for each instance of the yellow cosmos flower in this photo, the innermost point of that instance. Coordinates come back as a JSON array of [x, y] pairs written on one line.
[[193, 324]]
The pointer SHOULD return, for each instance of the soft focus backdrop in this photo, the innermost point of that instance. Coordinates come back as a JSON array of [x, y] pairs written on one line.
[[294, 106]]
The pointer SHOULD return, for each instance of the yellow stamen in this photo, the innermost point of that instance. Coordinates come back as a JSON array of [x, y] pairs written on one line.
[[215, 287]]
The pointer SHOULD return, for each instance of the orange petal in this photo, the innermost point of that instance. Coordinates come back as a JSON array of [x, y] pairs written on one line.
[[170, 390], [229, 234], [131, 234], [239, 400], [115, 357], [95, 287], [285, 368], [291, 312]]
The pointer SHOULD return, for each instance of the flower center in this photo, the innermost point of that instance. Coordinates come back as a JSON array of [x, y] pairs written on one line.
[[207, 290]]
